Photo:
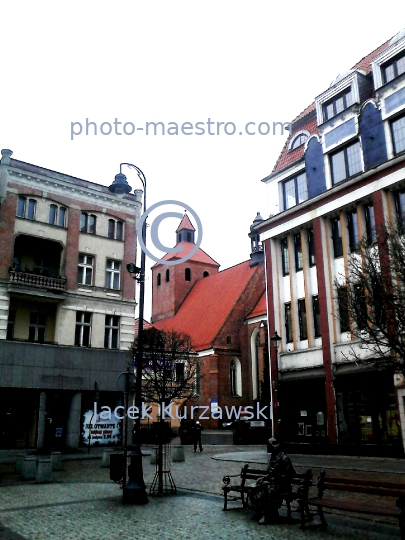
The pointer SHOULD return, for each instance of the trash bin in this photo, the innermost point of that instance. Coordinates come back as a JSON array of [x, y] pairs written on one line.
[[178, 453], [44, 471]]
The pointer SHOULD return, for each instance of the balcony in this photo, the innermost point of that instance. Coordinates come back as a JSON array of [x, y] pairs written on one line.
[[30, 279]]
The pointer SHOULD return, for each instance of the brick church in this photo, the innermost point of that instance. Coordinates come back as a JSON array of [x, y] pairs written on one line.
[[224, 312]]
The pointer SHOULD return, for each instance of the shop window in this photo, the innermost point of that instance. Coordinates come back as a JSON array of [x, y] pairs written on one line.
[[85, 270], [285, 259], [302, 319], [311, 247], [288, 322], [111, 332], [83, 329], [113, 272], [317, 316], [353, 226]]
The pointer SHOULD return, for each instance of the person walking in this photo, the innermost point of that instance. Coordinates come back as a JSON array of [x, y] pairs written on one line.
[[197, 436]]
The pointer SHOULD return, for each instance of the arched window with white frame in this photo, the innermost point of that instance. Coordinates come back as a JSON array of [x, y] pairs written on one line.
[[254, 353], [235, 377]]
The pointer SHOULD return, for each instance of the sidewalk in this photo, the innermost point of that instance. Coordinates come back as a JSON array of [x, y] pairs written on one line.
[[82, 503]]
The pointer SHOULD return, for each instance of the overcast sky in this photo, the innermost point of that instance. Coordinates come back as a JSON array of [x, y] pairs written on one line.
[[175, 62]]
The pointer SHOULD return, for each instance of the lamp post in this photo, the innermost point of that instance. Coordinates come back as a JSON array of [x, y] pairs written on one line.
[[135, 487], [275, 339]]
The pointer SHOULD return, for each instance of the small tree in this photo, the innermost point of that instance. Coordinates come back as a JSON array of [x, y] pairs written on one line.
[[170, 373], [371, 298]]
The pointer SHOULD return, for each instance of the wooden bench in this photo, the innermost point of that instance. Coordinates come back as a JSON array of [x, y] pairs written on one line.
[[394, 504], [248, 477]]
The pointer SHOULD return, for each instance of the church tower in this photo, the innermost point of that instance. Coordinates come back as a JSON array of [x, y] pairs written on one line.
[[172, 283]]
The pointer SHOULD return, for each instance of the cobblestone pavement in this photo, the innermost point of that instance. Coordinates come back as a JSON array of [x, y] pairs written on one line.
[[83, 504]]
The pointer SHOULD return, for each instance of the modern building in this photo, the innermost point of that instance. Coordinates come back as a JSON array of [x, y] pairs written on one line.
[[66, 304], [339, 177], [224, 313]]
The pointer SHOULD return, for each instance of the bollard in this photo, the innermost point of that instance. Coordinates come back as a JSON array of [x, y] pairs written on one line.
[[178, 453], [29, 468], [56, 459], [44, 471], [19, 462], [105, 460], [153, 459]]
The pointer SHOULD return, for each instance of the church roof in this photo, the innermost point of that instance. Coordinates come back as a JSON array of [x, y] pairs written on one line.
[[185, 223], [199, 255], [259, 309], [209, 304]]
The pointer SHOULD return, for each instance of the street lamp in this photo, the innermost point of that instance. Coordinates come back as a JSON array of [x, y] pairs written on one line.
[[135, 488], [275, 339]]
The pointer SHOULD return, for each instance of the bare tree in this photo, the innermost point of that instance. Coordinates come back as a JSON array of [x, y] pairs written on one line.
[[371, 298]]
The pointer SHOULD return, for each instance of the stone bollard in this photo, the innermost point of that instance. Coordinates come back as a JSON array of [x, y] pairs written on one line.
[[105, 460], [178, 453], [56, 459], [44, 471], [19, 462], [153, 458], [29, 468]]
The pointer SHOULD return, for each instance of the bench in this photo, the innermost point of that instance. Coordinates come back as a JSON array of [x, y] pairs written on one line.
[[393, 492], [248, 477]]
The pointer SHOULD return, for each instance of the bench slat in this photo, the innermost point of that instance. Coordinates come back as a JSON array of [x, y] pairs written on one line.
[[370, 489], [361, 482], [361, 508]]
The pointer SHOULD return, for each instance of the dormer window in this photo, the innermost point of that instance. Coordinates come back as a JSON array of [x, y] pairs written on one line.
[[394, 68], [299, 140], [338, 104], [295, 191]]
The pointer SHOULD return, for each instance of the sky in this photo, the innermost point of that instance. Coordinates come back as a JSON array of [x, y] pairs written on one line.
[[180, 63]]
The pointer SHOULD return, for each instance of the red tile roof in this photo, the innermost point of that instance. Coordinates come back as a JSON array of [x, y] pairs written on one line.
[[185, 223], [208, 305], [286, 158], [146, 326], [199, 255], [259, 309]]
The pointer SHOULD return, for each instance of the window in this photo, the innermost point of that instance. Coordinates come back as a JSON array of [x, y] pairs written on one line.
[[206, 274], [115, 229], [189, 237], [285, 260], [346, 163], [311, 247], [53, 214], [371, 234], [338, 104], [113, 271], [295, 191], [337, 238], [288, 322], [299, 141], [353, 226], [232, 376], [85, 270], [187, 274], [360, 307], [159, 280], [235, 377], [57, 215], [400, 206], [36, 332], [26, 208], [88, 223], [317, 316], [167, 276], [343, 306], [298, 252], [11, 324], [398, 134], [302, 319], [179, 367], [83, 329], [111, 332], [393, 68]]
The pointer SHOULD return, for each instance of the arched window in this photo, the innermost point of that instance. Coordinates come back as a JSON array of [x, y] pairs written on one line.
[[235, 377], [167, 276], [111, 228], [206, 274], [187, 274], [53, 213], [254, 350], [299, 139], [159, 280]]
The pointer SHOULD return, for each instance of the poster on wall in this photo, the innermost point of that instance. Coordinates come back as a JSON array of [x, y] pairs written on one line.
[[100, 432]]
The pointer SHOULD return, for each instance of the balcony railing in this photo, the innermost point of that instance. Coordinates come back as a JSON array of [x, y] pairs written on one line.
[[38, 281]]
